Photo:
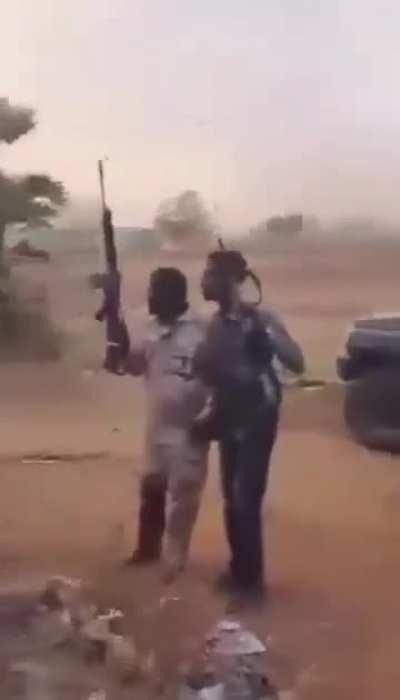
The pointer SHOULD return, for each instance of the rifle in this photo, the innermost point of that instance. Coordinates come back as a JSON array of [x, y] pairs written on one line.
[[116, 332]]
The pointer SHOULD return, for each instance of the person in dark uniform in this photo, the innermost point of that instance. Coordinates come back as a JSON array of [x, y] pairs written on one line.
[[236, 361]]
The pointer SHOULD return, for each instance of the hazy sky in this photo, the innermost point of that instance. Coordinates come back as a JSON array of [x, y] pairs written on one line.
[[263, 106]]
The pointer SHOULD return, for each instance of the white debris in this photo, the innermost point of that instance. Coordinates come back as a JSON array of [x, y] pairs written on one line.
[[62, 592], [98, 695], [214, 692], [122, 657], [232, 667], [165, 600], [98, 628], [51, 628], [229, 638]]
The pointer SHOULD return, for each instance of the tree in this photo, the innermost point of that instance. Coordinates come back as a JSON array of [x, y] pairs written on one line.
[[183, 218], [34, 199]]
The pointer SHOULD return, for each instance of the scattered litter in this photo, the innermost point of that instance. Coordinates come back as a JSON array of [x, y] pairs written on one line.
[[100, 627], [214, 692], [60, 592], [231, 667], [51, 628], [122, 658], [211, 692], [229, 638], [62, 616], [96, 630], [63, 593], [98, 695], [169, 599]]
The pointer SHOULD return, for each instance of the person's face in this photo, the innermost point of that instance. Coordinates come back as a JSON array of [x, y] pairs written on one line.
[[215, 285]]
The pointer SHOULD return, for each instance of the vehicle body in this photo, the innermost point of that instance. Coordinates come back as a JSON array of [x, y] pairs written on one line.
[[370, 370]]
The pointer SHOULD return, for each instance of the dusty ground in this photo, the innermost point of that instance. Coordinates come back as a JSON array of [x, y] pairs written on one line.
[[333, 509]]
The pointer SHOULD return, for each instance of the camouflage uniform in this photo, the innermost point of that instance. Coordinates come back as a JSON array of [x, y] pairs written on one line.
[[175, 465]]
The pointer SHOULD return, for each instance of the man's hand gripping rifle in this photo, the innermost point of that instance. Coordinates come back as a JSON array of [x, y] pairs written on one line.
[[117, 348]]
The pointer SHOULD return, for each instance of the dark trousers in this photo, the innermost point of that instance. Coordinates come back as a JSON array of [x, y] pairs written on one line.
[[244, 468], [153, 494]]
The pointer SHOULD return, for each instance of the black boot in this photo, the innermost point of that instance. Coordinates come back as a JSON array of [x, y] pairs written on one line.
[[141, 558], [151, 521]]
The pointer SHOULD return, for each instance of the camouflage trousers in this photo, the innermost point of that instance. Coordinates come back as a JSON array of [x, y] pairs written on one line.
[[171, 490]]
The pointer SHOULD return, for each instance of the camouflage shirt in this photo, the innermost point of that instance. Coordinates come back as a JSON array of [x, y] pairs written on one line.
[[164, 356]]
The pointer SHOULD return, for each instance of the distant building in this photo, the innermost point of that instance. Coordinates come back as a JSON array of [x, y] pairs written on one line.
[[291, 224]]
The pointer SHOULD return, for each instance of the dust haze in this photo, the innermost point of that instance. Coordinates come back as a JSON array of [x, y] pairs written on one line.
[[214, 116], [263, 110]]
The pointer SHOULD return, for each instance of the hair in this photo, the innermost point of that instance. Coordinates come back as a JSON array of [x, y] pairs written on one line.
[[170, 279], [229, 262], [234, 264]]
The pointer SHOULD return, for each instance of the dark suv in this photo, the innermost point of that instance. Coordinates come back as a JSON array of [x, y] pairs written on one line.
[[371, 372]]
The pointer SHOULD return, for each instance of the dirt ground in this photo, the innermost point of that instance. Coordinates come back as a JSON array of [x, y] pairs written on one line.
[[332, 516]]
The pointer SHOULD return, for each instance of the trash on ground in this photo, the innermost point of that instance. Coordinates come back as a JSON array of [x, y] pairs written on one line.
[[98, 695], [169, 599], [231, 667], [60, 591], [51, 628], [122, 658], [230, 638], [101, 626], [47, 638]]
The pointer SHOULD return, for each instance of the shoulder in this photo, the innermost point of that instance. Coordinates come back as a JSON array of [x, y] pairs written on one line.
[[260, 314], [192, 327], [269, 316], [143, 330], [195, 319]]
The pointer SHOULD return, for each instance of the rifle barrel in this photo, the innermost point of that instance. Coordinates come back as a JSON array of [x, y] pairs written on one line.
[[102, 187]]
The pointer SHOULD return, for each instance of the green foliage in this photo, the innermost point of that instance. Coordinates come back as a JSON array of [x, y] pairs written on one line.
[[15, 121], [34, 198]]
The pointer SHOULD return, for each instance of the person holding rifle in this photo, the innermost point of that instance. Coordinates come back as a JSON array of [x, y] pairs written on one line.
[[175, 461]]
